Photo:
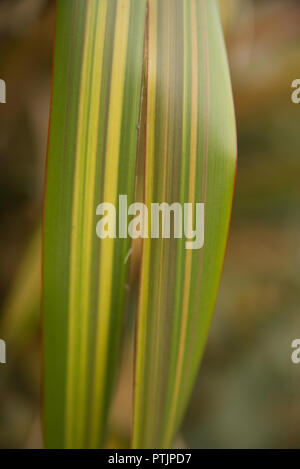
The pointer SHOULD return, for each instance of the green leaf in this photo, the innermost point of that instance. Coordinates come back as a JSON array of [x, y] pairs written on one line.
[[107, 84], [92, 157], [190, 157]]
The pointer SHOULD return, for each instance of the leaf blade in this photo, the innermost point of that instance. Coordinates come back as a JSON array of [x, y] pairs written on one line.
[[92, 152], [191, 149]]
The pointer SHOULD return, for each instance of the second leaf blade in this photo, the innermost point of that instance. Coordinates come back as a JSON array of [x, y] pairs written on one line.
[[190, 158]]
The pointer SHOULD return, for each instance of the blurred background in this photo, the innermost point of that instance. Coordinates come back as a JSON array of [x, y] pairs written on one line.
[[247, 391]]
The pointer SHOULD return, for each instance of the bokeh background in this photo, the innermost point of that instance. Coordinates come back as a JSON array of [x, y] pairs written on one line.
[[247, 391]]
